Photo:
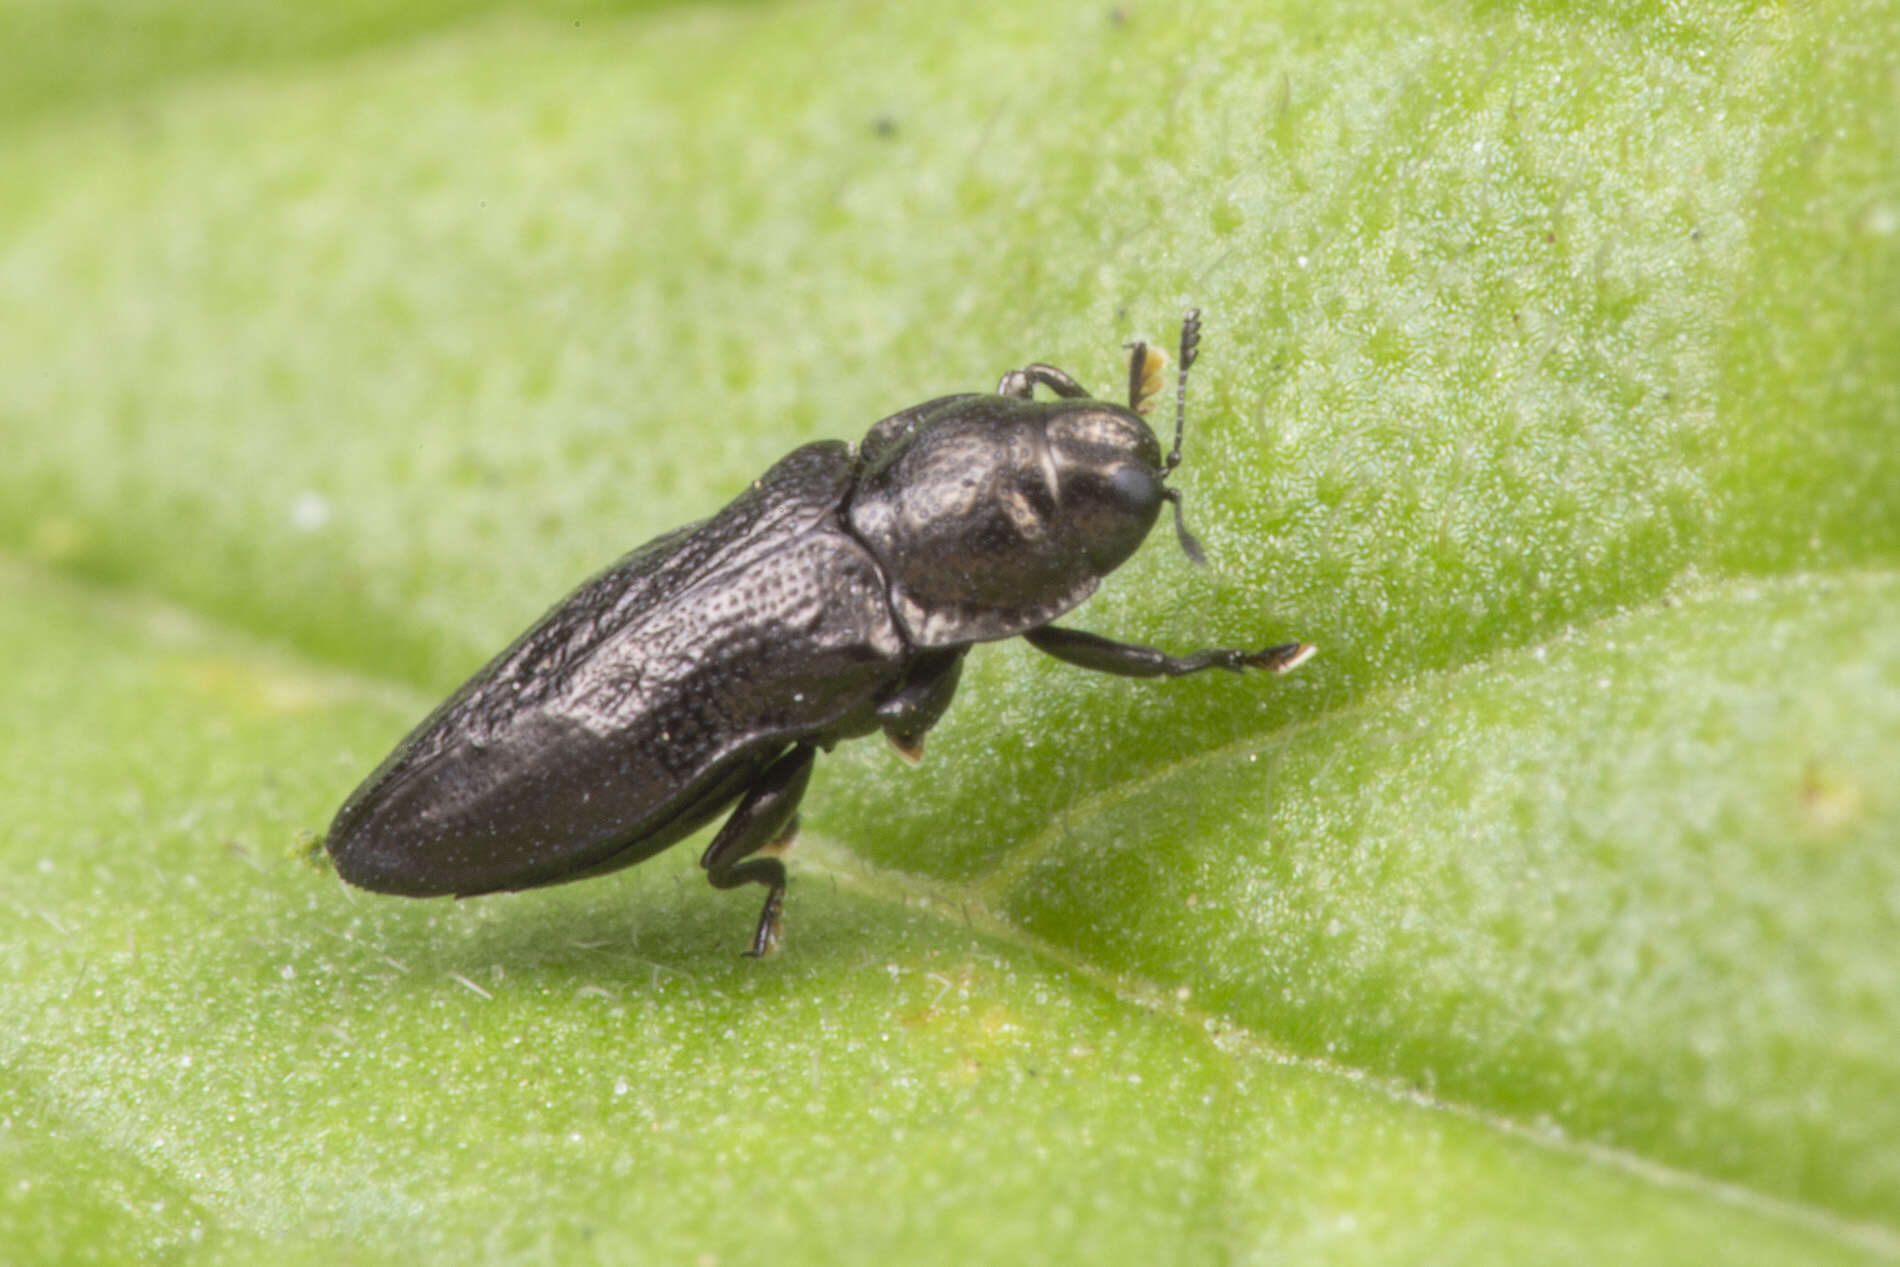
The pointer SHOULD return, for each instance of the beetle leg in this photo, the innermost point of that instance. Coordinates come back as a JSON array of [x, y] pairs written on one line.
[[767, 815], [1021, 383], [1092, 651], [919, 700]]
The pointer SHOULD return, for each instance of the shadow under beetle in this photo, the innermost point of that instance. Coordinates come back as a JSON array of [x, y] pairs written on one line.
[[834, 597]]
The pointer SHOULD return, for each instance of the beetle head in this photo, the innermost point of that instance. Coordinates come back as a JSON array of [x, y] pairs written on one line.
[[992, 515], [997, 515]]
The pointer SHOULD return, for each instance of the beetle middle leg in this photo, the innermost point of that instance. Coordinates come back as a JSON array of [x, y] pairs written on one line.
[[1092, 651], [767, 815], [1021, 383], [919, 701]]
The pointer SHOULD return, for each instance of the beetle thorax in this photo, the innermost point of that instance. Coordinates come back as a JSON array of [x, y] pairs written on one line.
[[998, 514]]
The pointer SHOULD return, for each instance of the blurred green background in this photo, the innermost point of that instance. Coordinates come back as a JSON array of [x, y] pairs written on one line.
[[1550, 385]]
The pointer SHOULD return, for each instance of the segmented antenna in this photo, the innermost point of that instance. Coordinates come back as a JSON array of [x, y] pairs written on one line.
[[1190, 345]]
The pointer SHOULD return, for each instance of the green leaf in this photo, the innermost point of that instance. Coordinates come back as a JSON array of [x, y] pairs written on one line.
[[1549, 386]]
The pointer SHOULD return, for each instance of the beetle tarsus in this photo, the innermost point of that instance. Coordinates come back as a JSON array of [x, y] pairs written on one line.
[[770, 934], [1284, 658]]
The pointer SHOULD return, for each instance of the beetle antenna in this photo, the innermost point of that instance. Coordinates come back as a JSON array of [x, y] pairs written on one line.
[[1190, 345], [1189, 546]]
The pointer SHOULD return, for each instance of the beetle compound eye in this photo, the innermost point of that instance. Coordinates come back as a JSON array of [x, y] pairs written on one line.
[[1135, 489]]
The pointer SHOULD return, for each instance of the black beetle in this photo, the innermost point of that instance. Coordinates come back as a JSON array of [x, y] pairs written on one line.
[[834, 597]]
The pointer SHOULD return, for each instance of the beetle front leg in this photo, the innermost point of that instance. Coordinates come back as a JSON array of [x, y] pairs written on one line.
[[767, 815], [1090, 651], [1021, 383]]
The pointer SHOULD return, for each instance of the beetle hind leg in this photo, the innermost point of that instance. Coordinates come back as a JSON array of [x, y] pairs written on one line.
[[767, 817]]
